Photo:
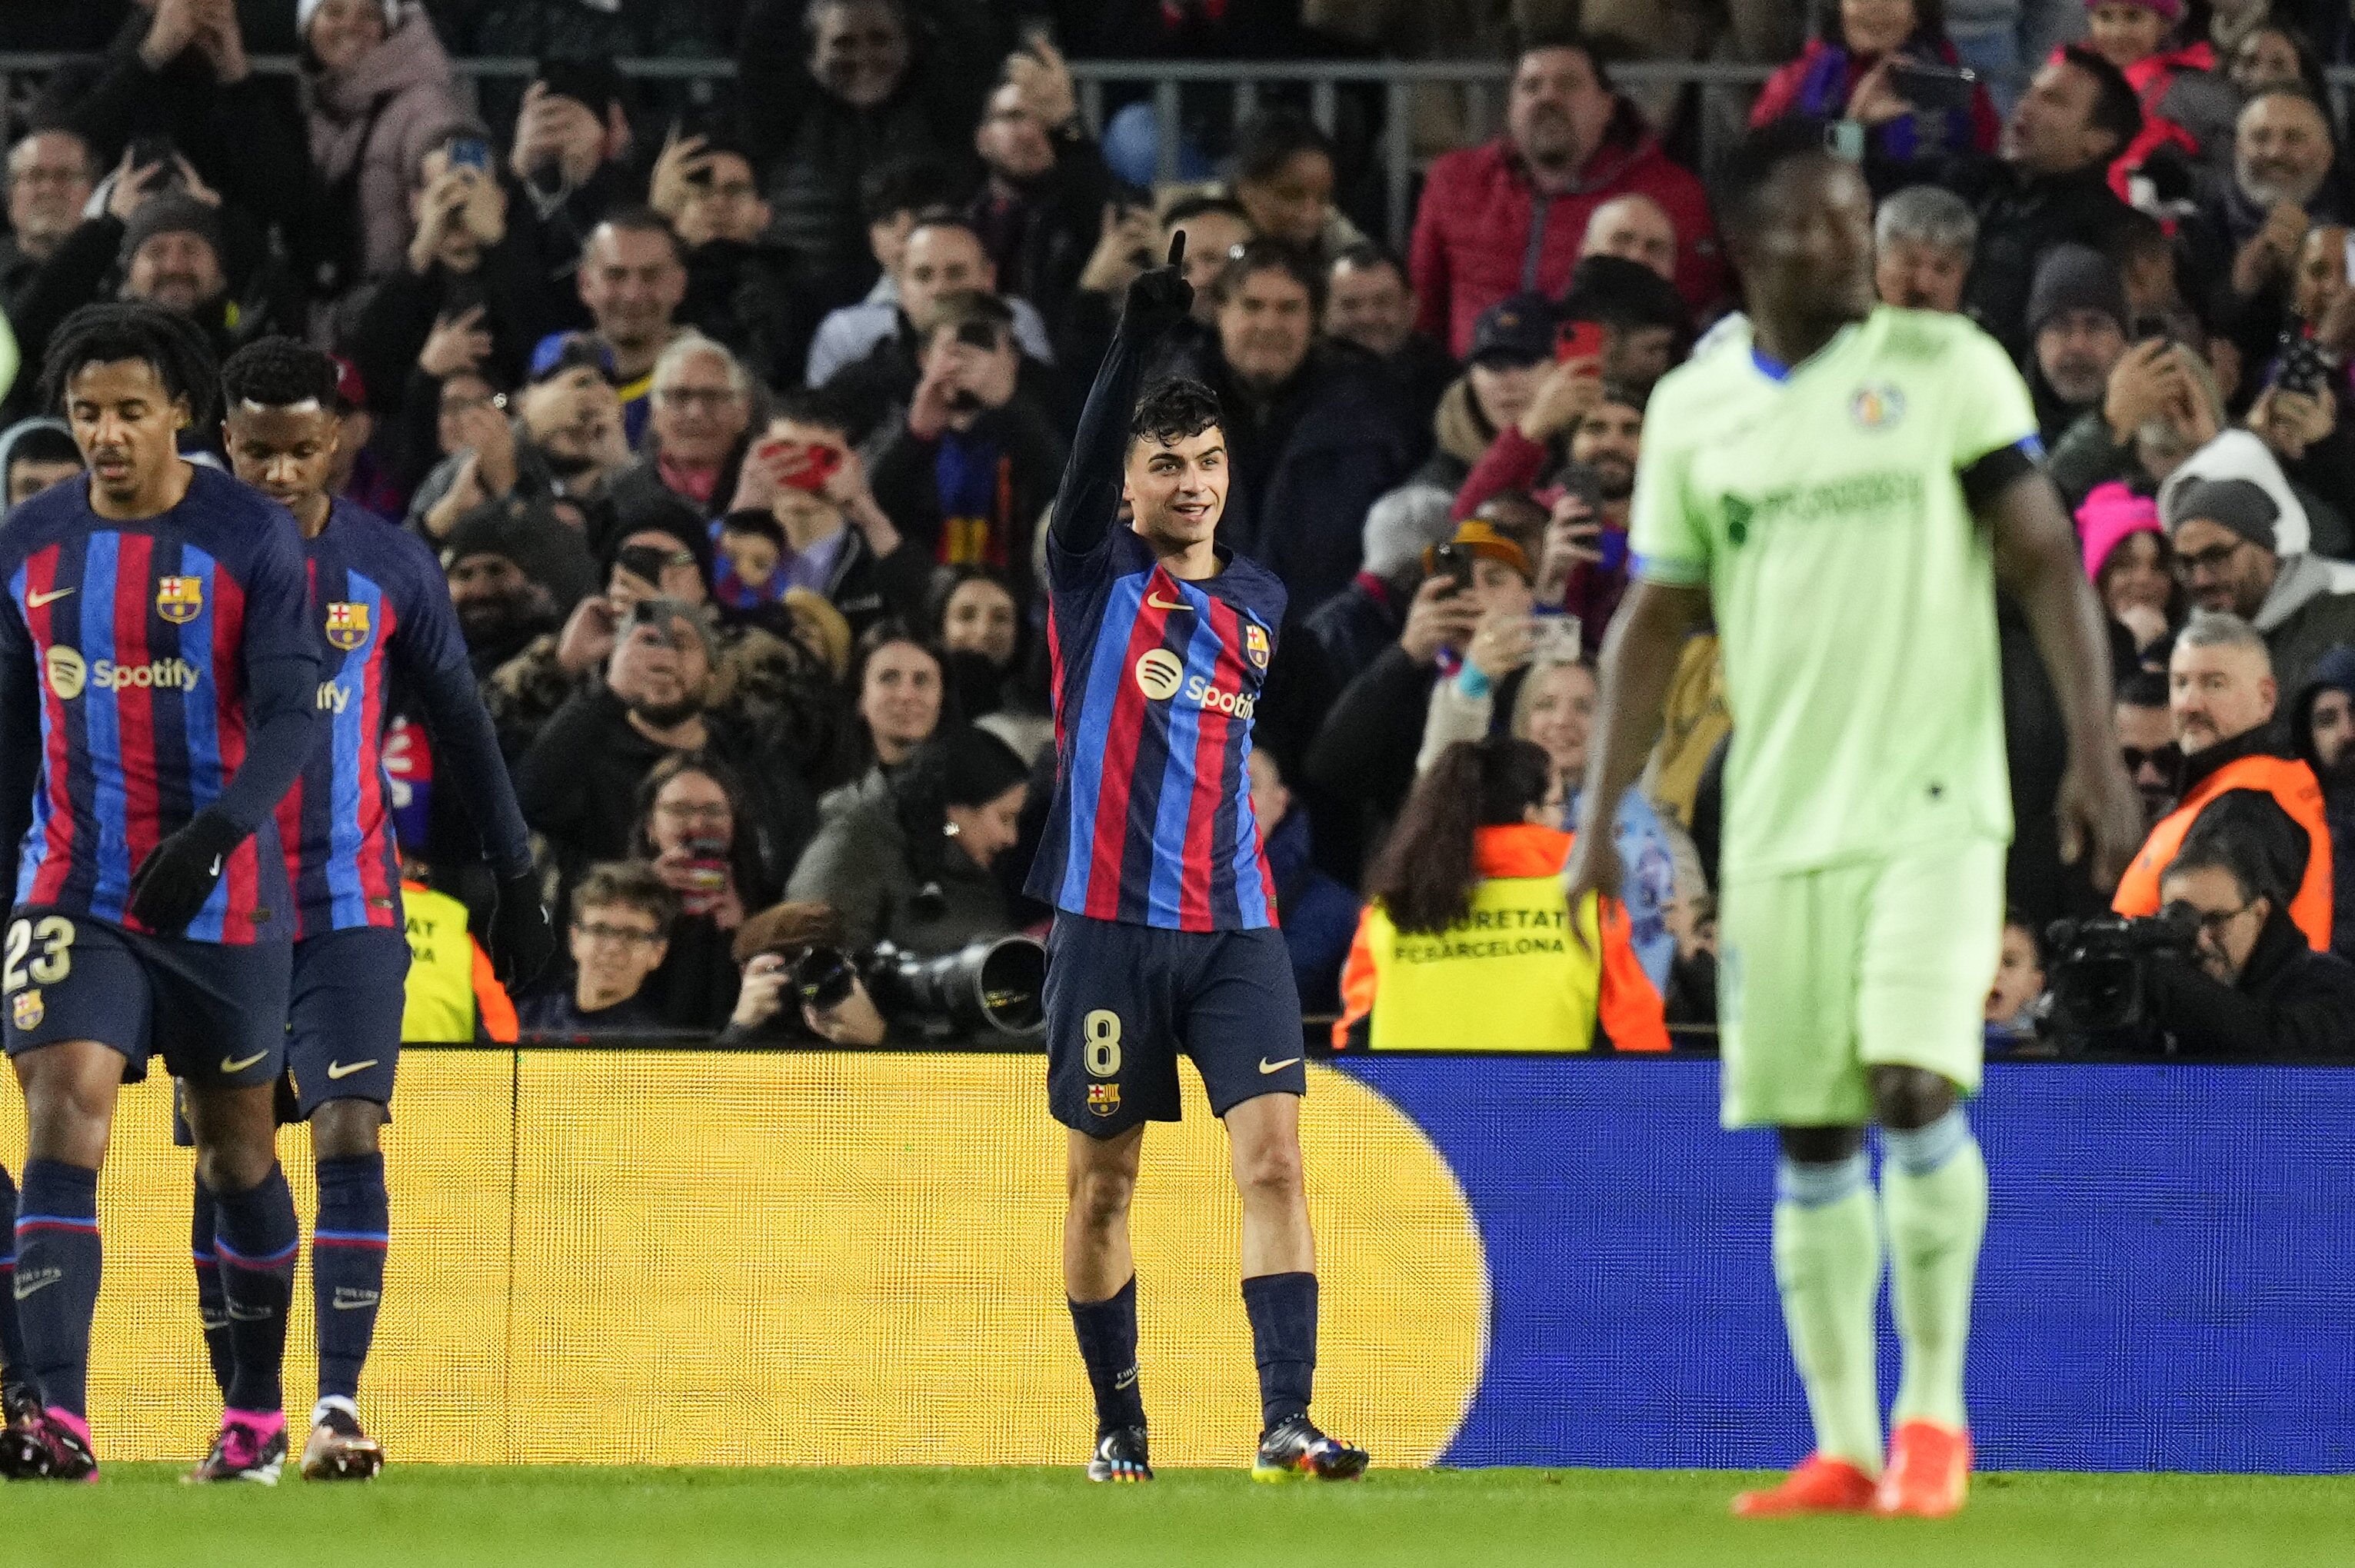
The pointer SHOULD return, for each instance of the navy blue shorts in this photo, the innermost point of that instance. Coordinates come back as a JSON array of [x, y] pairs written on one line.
[[215, 1013], [343, 1021], [1123, 1001]]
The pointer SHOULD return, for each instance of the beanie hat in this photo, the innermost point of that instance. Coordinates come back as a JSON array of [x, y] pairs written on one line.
[[2110, 512], [306, 9], [2238, 505], [173, 214], [2076, 277]]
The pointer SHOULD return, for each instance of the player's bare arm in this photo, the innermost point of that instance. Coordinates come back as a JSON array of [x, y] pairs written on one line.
[[1639, 660]]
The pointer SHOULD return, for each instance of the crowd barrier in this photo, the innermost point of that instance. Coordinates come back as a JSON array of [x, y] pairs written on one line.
[[686, 1256]]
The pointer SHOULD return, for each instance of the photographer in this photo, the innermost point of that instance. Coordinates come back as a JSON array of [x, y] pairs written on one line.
[[2253, 987], [771, 946]]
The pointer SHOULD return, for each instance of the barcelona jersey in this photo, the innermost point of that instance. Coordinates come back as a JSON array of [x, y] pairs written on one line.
[[143, 639], [1157, 681]]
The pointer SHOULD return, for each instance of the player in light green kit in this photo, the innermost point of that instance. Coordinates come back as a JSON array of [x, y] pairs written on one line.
[[1843, 486]]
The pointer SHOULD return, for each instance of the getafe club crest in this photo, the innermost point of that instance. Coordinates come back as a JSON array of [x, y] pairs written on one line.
[[348, 625], [1256, 644], [1876, 406], [179, 600]]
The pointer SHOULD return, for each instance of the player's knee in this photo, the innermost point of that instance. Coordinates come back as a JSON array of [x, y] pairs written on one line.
[[1100, 1199], [234, 1166], [1909, 1097], [347, 1129], [66, 1112], [1270, 1170]]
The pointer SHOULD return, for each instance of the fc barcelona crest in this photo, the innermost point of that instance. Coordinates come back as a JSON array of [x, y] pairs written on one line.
[[1256, 644], [1103, 1099], [348, 625], [179, 600], [29, 1009]]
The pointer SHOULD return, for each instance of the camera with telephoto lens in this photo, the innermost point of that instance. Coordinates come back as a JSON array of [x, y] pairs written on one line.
[[995, 984], [2100, 976]]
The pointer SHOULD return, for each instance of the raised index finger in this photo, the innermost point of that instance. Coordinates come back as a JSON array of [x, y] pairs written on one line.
[[1177, 248]]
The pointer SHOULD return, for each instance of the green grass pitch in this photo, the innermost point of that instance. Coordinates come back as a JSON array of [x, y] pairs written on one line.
[[140, 1514]]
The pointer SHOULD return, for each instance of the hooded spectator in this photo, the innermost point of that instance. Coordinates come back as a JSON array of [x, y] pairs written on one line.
[[2322, 731], [377, 90], [1512, 215]]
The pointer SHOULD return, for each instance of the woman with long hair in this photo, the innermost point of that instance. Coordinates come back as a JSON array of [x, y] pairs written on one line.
[[705, 845], [1467, 942]]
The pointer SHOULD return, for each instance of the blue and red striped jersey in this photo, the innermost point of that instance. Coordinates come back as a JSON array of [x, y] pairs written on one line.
[[143, 639], [384, 606], [1156, 680]]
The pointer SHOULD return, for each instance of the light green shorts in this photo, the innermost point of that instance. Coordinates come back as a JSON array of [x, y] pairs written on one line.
[[1822, 975]]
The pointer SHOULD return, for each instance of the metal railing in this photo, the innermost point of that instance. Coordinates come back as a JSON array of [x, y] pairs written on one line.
[[1481, 83]]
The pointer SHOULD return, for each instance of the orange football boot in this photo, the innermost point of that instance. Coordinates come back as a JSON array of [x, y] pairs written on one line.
[[1820, 1484], [1929, 1472]]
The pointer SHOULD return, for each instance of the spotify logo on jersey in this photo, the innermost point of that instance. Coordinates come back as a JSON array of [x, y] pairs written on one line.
[[1158, 673]]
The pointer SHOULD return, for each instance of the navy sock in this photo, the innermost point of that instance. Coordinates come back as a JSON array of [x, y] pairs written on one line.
[[1107, 1332], [347, 1267], [256, 1242], [12, 1343], [1283, 1308], [212, 1299], [56, 1290]]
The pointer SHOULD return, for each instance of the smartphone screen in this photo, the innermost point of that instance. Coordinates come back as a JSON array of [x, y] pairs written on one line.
[[469, 153], [1578, 340]]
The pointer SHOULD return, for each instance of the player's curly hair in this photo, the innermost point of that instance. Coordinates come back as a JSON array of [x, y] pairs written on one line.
[[279, 372], [1174, 409], [114, 331]]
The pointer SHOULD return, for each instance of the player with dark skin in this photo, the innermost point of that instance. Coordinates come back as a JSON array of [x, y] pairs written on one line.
[[1806, 264]]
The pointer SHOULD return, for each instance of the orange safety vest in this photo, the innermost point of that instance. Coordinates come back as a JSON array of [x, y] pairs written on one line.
[[2292, 785]]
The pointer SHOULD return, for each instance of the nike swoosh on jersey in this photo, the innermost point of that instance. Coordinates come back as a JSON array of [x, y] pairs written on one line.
[[217, 865], [35, 601], [1267, 1066], [345, 1070], [1158, 603], [229, 1064]]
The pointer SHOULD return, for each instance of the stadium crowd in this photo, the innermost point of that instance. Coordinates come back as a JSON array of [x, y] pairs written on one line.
[[732, 418]]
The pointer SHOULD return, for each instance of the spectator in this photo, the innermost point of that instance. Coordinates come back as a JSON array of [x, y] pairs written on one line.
[[1311, 443], [702, 402], [2241, 544], [2244, 242], [837, 541], [2322, 724], [771, 946], [1369, 305], [2046, 186], [1465, 918], [2257, 989], [2077, 322], [854, 85], [621, 918], [1643, 319], [451, 994], [376, 89], [2187, 108], [1852, 70], [1634, 229], [895, 195], [2221, 697], [568, 166], [967, 473], [2011, 1003], [565, 443], [910, 864], [1316, 913], [360, 474], [1283, 175], [2131, 569], [899, 689], [2162, 404], [740, 286], [2272, 55], [1040, 208], [51, 174], [1216, 230], [978, 626], [1922, 238], [1353, 627], [513, 579], [1512, 215], [695, 830], [633, 279], [35, 453], [2146, 733]]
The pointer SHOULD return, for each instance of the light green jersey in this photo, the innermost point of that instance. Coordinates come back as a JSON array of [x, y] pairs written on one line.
[[1854, 592]]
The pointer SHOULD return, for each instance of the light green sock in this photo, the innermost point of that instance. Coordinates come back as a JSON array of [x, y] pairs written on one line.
[[1827, 1264], [1933, 1194]]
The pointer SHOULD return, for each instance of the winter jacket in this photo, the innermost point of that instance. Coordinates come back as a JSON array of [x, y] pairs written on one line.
[[859, 866], [1510, 975], [1041, 235], [376, 118], [402, 309], [2021, 216], [2335, 671], [1817, 85], [2186, 104], [2258, 760], [1485, 230], [1028, 454], [1355, 626], [2290, 1001]]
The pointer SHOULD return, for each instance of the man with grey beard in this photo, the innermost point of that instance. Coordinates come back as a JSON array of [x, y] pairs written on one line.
[[2246, 240], [2077, 321]]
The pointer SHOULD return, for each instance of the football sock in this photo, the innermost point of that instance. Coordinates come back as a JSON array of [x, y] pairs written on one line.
[[1827, 1265], [257, 1242], [1282, 1310], [56, 1288], [212, 1301], [1933, 1194], [347, 1267], [1107, 1334], [12, 1343]]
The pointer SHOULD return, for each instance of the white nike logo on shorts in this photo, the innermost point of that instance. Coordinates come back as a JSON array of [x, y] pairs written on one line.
[[340, 1069], [231, 1064], [1267, 1066]]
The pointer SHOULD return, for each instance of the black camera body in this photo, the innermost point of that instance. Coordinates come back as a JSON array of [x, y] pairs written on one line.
[[995, 984], [2100, 976]]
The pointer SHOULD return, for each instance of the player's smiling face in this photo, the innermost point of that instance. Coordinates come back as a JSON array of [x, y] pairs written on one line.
[[127, 423], [1177, 490], [287, 454]]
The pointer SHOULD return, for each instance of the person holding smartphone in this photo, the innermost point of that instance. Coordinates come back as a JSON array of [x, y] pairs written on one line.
[[377, 92], [1889, 66]]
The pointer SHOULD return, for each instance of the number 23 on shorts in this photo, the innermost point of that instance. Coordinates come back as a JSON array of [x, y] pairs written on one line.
[[20, 981], [1101, 1031]]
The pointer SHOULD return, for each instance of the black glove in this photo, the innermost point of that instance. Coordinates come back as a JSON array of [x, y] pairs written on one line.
[[179, 875], [522, 940], [1158, 298]]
